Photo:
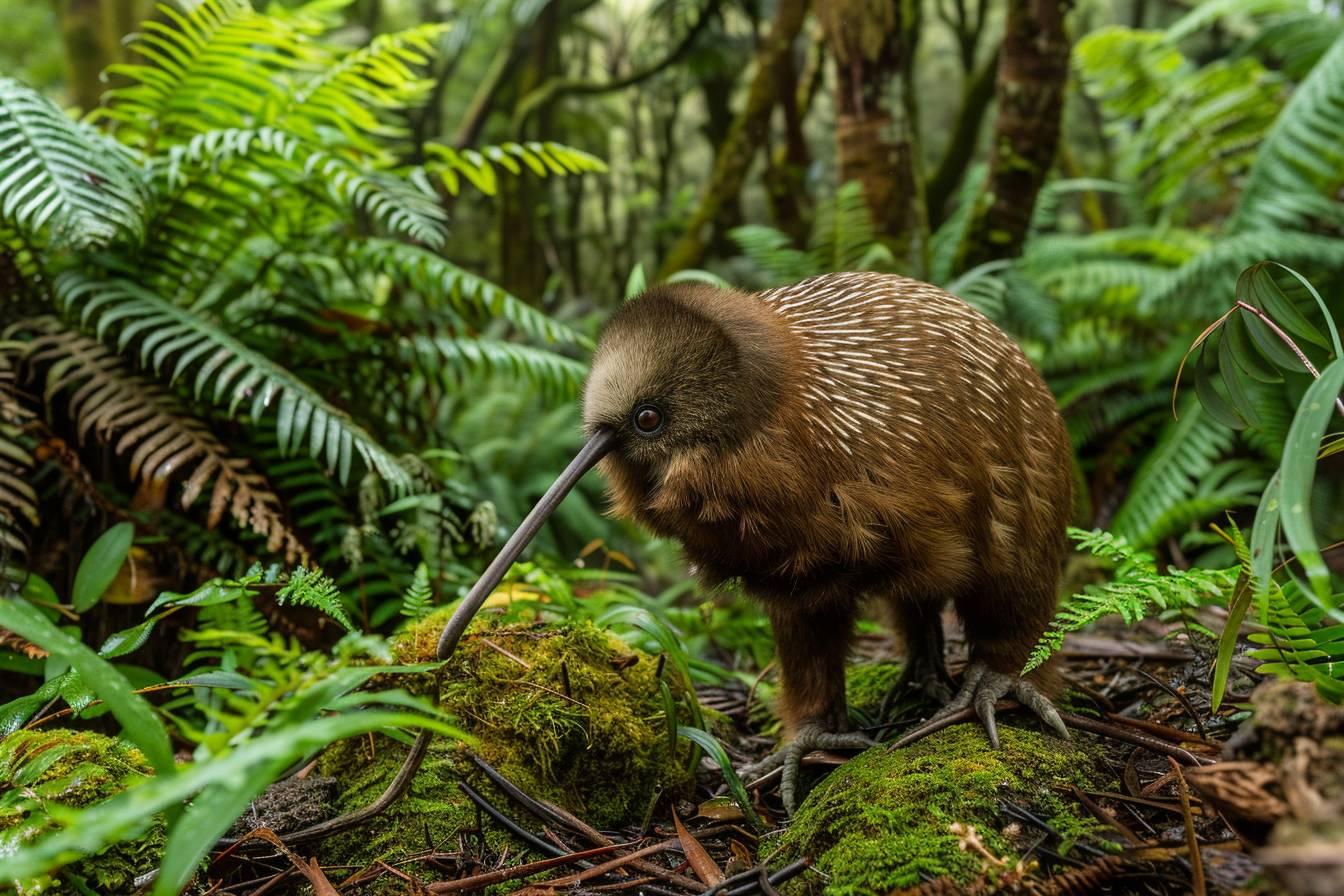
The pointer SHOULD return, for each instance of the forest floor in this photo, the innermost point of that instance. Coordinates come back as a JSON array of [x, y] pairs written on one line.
[[1154, 794]]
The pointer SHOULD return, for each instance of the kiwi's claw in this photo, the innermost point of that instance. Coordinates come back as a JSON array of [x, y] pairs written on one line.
[[790, 757], [982, 688]]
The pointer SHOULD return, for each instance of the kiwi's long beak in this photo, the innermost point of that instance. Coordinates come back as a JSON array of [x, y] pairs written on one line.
[[596, 448]]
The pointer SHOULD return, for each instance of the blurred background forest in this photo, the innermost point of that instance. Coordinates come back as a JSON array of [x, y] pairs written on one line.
[[1094, 183], [292, 285]]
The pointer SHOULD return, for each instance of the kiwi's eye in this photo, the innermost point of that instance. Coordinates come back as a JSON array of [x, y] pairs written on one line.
[[648, 419]]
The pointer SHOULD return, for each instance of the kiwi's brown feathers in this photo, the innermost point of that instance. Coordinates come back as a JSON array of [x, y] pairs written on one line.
[[850, 435]]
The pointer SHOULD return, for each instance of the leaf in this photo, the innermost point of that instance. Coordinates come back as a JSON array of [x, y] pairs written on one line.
[[711, 745], [140, 724], [100, 565], [700, 861], [1299, 471]]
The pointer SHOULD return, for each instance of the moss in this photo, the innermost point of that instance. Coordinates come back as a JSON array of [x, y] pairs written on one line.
[[867, 685], [43, 769], [883, 820], [569, 713]]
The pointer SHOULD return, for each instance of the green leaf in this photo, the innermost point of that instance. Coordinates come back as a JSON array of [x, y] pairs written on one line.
[[711, 745], [1299, 471], [140, 724], [100, 565]]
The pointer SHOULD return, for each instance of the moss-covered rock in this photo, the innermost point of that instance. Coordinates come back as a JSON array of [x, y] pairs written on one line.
[[569, 713], [43, 770], [885, 820]]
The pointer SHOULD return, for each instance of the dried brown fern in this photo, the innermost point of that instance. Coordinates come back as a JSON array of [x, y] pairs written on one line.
[[18, 500], [165, 445]]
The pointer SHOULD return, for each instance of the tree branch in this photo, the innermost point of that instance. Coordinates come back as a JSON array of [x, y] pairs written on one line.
[[563, 86]]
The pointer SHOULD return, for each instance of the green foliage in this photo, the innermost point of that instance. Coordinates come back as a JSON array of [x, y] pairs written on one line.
[[419, 599], [62, 184], [253, 703], [478, 165], [241, 268], [1135, 590], [842, 239]]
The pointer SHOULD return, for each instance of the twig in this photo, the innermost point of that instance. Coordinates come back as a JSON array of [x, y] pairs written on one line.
[[509, 824], [605, 867], [1132, 737], [1180, 697], [1191, 838], [480, 881], [1102, 815]]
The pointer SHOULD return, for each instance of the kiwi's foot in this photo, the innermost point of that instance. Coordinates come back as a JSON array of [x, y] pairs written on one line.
[[982, 688], [790, 757]]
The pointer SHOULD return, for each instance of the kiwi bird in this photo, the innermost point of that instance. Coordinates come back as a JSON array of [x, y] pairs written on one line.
[[851, 436]]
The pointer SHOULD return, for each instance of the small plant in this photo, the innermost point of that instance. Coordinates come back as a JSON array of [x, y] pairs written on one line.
[[1135, 590]]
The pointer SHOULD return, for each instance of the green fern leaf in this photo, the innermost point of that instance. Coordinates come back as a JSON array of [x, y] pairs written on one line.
[[62, 183], [1300, 167], [226, 371], [1185, 453]]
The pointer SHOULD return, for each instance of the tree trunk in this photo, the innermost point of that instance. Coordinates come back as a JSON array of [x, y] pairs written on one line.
[[747, 135], [961, 146], [1033, 72], [787, 165], [92, 31], [872, 42], [524, 201]]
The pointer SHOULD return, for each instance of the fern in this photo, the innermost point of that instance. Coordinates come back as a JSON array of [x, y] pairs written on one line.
[[557, 376], [1186, 451], [163, 441], [842, 239], [61, 182], [478, 165], [1136, 590], [18, 498], [228, 372], [419, 598], [1301, 161], [313, 588]]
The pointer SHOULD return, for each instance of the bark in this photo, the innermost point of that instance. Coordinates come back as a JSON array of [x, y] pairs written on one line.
[[716, 88], [787, 165], [748, 134], [1033, 73], [872, 42], [92, 32], [525, 266], [975, 99]]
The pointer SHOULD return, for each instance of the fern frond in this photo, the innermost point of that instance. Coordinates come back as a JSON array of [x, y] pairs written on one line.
[[439, 281], [161, 441], [61, 182], [478, 166], [18, 499], [772, 253], [216, 65], [396, 204], [1299, 169], [1136, 590], [348, 94], [1202, 287], [843, 235], [1186, 451], [558, 376], [419, 598], [314, 588], [225, 370]]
